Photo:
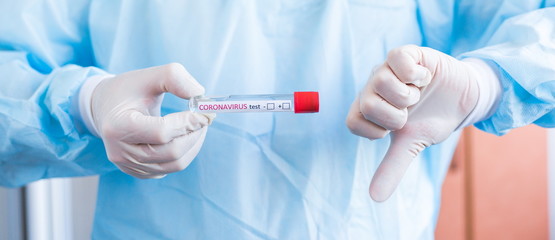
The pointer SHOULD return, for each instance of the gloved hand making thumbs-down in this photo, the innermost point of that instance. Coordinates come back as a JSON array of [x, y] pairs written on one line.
[[419, 96]]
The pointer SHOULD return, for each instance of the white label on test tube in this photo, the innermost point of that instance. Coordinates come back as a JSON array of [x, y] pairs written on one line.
[[246, 106], [298, 102]]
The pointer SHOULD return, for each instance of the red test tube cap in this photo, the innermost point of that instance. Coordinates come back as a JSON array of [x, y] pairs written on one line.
[[306, 102]]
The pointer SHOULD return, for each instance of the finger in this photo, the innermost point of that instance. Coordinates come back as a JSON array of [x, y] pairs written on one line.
[[406, 63], [360, 126], [162, 153], [154, 170], [140, 128], [377, 110], [173, 78], [402, 150], [187, 158], [129, 170], [390, 88]]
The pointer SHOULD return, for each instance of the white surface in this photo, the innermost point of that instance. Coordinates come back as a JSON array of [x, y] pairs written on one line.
[[11, 221], [83, 191], [61, 208], [48, 210]]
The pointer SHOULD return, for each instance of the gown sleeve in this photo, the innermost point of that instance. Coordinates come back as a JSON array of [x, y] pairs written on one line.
[[45, 55], [517, 38], [523, 49]]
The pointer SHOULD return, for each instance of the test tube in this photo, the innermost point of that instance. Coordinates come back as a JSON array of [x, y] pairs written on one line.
[[298, 102]]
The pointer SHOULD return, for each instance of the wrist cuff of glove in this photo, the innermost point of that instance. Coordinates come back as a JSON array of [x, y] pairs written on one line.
[[490, 90], [85, 95]]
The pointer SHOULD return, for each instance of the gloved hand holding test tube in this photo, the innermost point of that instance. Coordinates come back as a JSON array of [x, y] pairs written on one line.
[[298, 102]]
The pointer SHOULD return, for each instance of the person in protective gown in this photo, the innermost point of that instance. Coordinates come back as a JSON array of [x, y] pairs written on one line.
[[101, 87]]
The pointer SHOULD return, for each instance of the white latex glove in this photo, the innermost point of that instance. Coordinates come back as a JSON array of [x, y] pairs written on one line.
[[125, 111], [421, 95]]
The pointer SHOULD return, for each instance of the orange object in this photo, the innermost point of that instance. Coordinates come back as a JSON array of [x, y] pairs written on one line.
[[497, 187]]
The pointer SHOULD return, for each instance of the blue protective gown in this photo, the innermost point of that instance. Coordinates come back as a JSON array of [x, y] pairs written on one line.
[[259, 175]]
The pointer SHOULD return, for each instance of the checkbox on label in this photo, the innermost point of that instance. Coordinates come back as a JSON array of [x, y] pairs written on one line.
[[271, 106], [286, 106]]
